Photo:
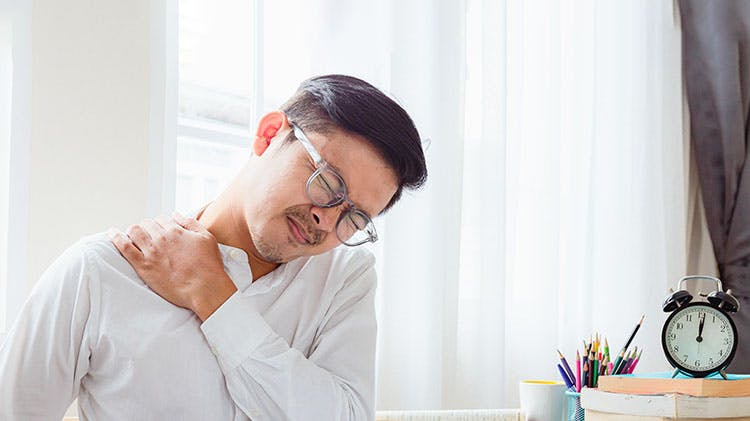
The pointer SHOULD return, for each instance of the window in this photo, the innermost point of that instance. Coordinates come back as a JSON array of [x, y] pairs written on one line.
[[217, 96]]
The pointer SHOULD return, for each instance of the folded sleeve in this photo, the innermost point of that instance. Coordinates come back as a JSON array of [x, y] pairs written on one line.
[[269, 380], [45, 354]]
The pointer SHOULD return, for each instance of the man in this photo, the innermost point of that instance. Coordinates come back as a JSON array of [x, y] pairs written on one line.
[[247, 311]]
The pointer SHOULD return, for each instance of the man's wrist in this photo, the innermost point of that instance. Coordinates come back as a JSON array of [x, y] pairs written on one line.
[[208, 299]]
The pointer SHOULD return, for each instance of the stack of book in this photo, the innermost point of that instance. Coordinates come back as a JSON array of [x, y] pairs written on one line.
[[657, 396]]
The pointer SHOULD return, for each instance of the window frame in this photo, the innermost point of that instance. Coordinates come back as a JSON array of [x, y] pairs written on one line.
[[223, 135]]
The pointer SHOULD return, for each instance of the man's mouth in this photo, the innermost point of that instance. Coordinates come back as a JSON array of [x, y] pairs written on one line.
[[297, 231]]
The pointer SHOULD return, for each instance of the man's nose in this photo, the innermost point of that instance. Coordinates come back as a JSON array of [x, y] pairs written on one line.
[[325, 218]]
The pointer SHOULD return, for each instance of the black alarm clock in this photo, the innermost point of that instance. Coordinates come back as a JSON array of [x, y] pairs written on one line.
[[699, 338]]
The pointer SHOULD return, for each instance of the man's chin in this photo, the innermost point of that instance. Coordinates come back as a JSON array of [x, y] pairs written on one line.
[[269, 253], [286, 252]]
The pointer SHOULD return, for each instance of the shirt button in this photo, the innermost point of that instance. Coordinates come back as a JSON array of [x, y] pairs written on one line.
[[237, 255], [213, 351]]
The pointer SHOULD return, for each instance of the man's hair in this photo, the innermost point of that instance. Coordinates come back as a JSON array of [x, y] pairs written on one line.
[[344, 102]]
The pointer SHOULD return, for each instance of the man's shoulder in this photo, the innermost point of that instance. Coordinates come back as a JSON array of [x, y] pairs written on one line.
[[97, 245], [94, 249], [97, 257]]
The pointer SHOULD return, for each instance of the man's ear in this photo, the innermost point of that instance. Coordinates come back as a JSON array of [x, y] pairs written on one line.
[[268, 127]]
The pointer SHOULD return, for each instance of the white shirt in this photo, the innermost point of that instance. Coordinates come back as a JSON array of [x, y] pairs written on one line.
[[297, 344]]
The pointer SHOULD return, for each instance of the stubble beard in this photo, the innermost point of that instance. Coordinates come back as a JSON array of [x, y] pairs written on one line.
[[269, 252], [272, 252]]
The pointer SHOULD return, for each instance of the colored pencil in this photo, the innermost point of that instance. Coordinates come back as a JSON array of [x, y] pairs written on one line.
[[585, 374], [565, 365], [627, 361], [604, 365], [630, 361], [618, 369], [606, 349], [635, 362], [585, 363], [618, 360], [564, 375], [632, 335], [595, 375], [578, 372]]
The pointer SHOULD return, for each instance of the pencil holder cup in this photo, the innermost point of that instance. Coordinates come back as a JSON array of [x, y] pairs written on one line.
[[575, 412]]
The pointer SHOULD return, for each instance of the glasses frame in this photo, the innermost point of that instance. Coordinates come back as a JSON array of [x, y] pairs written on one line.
[[351, 209]]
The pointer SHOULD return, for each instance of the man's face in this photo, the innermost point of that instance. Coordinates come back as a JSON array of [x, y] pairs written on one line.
[[283, 222]]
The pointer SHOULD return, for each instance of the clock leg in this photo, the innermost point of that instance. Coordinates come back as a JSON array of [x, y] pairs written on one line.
[[723, 374], [676, 371]]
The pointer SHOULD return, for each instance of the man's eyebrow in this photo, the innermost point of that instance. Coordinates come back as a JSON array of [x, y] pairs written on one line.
[[339, 172]]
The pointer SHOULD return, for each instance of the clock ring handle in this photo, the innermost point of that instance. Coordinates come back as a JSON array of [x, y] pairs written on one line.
[[684, 279]]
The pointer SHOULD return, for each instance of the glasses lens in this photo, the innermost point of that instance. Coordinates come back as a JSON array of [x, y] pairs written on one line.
[[355, 228], [326, 188]]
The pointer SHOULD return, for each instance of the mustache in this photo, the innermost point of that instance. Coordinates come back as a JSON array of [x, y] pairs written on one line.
[[301, 216]]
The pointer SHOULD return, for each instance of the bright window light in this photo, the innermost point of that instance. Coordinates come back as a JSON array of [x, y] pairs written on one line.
[[216, 96]]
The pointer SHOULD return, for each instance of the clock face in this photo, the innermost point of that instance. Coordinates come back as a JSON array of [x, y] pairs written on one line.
[[699, 339]]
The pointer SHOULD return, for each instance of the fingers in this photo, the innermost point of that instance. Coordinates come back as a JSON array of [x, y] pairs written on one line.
[[164, 220], [189, 223], [139, 237], [154, 230], [170, 226], [125, 246]]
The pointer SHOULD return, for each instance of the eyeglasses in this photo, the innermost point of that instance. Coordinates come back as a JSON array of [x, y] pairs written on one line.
[[326, 189]]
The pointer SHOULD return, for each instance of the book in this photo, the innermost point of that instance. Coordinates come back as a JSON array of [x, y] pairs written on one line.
[[663, 383], [602, 416], [600, 406]]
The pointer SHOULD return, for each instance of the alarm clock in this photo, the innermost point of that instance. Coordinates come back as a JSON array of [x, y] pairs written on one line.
[[699, 338]]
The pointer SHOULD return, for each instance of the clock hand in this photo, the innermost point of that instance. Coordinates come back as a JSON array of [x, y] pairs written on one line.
[[700, 328]]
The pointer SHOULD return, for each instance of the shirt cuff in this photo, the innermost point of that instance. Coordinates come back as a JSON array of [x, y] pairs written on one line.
[[235, 330]]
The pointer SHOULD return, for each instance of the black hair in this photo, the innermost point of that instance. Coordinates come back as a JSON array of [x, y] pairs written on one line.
[[345, 102]]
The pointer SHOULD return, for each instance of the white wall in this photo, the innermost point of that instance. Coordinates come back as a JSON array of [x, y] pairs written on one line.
[[83, 117], [89, 137], [17, 16], [6, 76], [98, 111]]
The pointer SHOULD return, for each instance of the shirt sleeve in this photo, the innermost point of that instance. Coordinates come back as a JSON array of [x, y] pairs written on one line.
[[44, 356], [268, 380]]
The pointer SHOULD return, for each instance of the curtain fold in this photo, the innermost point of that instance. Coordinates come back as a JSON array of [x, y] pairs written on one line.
[[716, 52]]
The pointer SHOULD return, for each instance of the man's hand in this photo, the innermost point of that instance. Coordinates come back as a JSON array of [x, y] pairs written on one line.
[[179, 260]]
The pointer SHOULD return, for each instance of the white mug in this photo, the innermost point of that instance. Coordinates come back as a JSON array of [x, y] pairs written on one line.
[[542, 400]]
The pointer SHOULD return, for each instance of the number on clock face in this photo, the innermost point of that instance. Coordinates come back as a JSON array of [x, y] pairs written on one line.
[[697, 348]]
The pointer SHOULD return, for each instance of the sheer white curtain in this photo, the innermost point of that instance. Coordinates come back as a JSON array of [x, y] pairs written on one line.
[[583, 165], [573, 199], [556, 201]]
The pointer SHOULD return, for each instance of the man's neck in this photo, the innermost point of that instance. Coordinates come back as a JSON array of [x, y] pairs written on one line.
[[224, 220]]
